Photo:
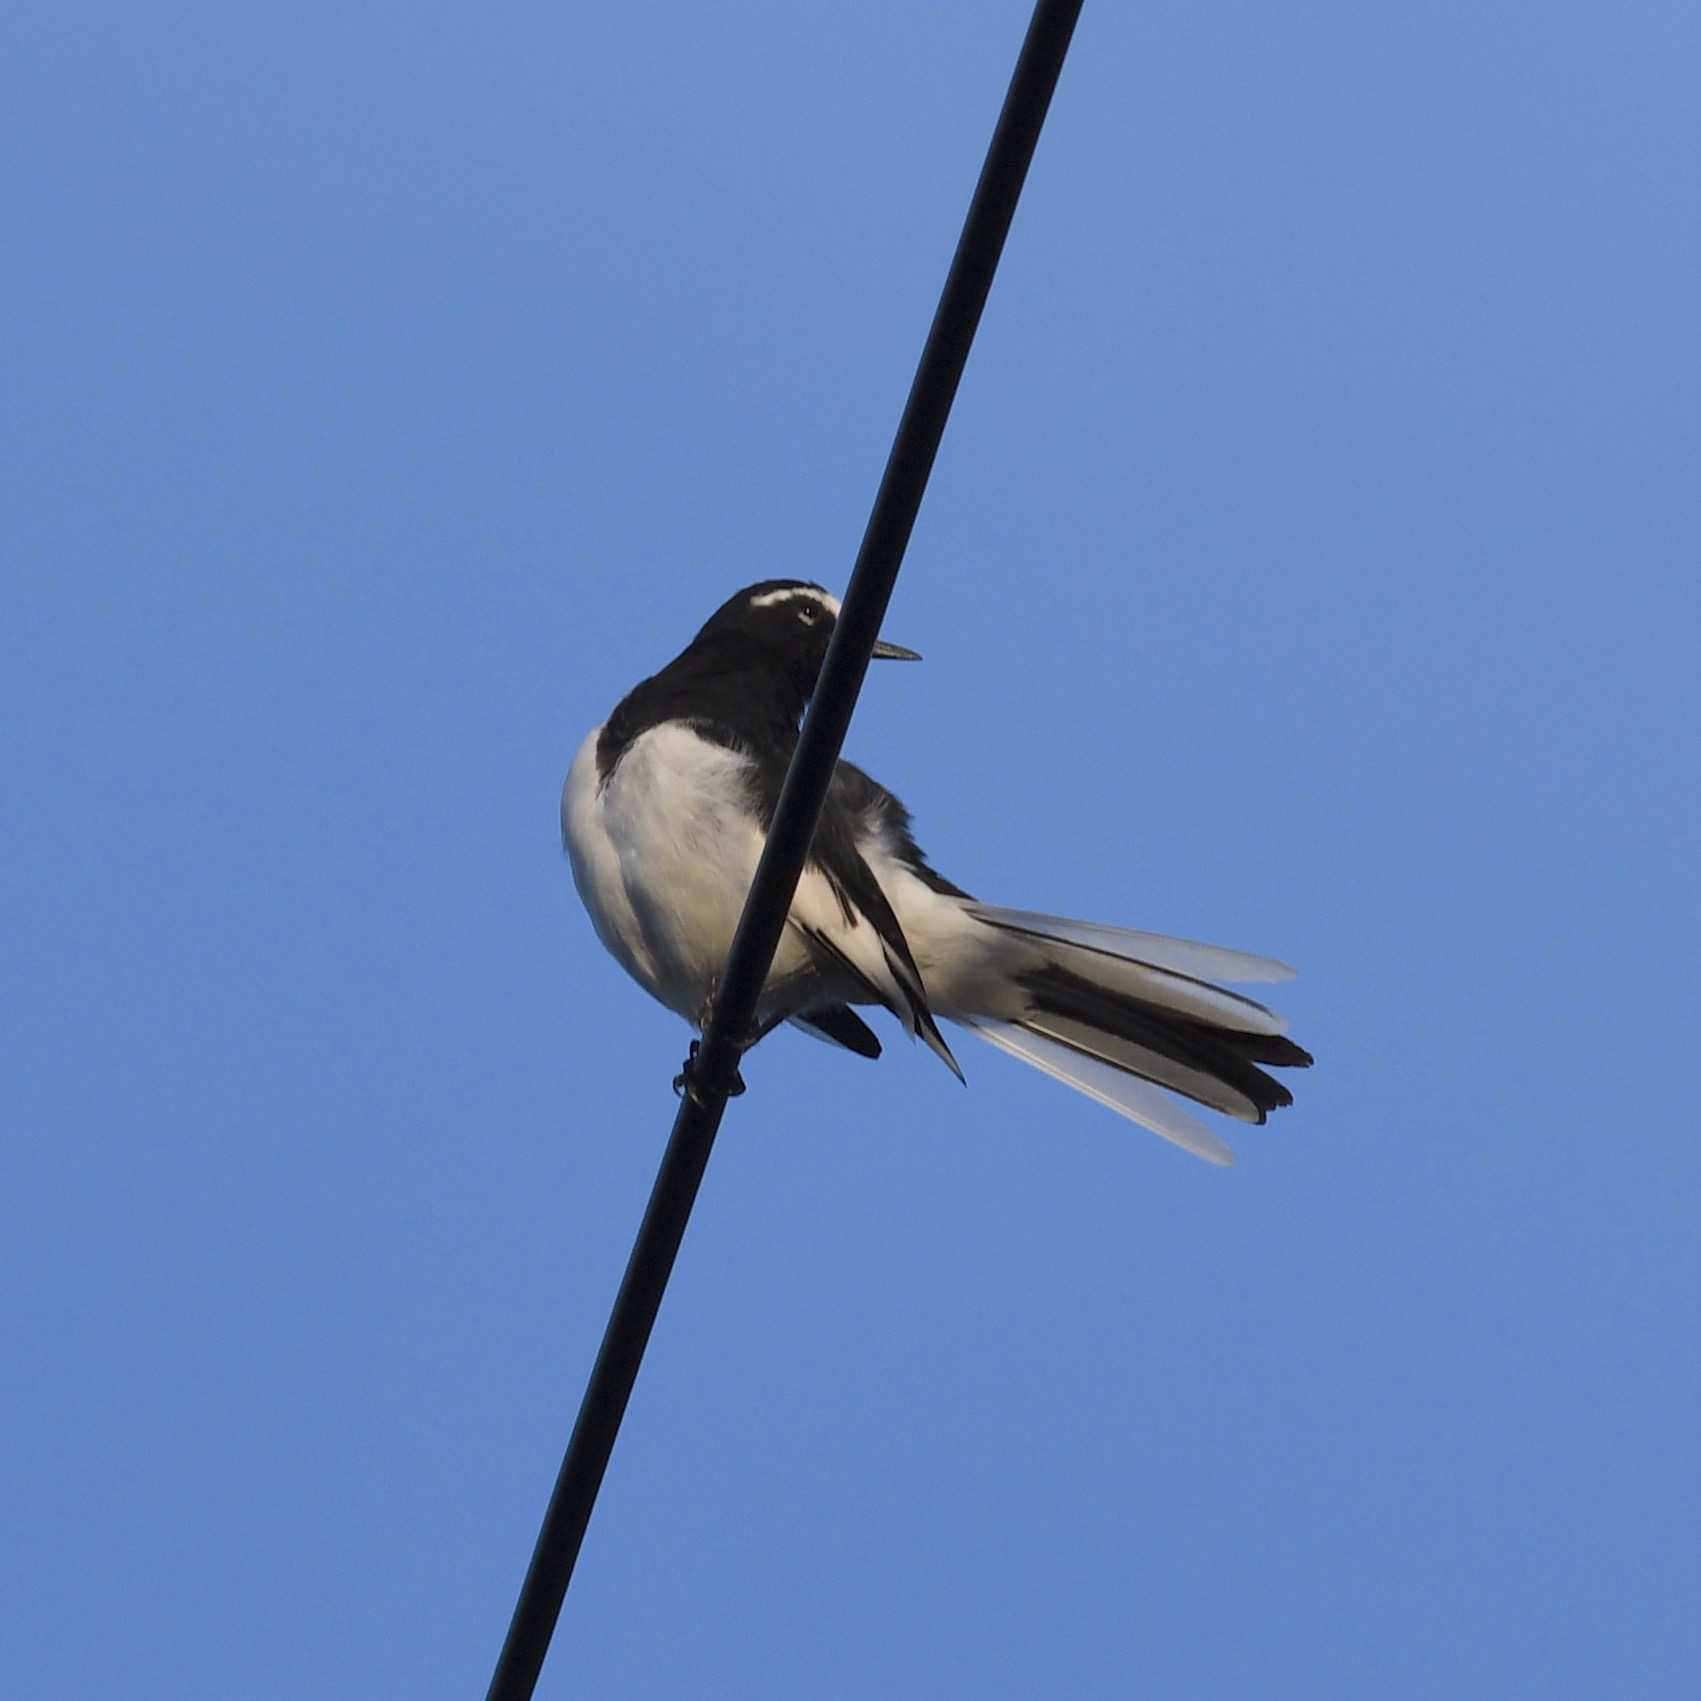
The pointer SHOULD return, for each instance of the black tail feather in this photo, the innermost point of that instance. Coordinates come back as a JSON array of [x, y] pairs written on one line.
[[1228, 1054]]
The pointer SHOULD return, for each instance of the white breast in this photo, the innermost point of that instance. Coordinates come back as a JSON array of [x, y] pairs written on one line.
[[663, 854]]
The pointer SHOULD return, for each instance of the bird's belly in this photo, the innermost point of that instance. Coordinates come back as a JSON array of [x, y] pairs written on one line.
[[663, 854], [595, 861]]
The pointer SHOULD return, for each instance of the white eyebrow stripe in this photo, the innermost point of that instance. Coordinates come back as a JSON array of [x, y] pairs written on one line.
[[797, 593]]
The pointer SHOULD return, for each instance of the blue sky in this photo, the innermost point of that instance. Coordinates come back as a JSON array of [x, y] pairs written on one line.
[[1309, 567]]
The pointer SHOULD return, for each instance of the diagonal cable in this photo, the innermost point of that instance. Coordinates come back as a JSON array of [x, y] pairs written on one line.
[[698, 1120]]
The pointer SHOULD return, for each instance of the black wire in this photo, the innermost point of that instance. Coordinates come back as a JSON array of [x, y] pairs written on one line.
[[753, 946]]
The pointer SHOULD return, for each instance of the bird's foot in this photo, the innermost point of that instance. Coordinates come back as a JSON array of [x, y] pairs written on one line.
[[686, 1084]]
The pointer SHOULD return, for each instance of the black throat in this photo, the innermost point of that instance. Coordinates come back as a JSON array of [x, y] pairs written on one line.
[[731, 688]]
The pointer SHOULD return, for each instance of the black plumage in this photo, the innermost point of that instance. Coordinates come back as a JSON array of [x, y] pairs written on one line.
[[663, 815]]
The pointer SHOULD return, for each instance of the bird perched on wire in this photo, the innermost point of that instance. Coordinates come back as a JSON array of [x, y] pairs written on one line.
[[664, 815]]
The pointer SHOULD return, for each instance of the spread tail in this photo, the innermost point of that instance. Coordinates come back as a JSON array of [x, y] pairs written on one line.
[[1118, 1014]]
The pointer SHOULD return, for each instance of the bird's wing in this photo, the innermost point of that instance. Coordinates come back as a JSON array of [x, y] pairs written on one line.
[[836, 857], [882, 818]]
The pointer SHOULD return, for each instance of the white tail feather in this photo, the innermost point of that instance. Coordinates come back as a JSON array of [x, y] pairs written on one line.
[[1128, 1095], [1180, 956]]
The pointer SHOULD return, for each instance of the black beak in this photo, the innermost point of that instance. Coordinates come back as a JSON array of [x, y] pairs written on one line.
[[883, 651]]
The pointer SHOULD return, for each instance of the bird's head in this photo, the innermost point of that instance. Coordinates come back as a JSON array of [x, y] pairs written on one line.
[[790, 621]]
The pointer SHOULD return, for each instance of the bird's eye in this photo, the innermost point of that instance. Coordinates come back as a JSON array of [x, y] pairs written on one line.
[[808, 613]]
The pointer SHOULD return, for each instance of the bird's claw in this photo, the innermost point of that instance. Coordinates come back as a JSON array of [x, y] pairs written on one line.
[[686, 1085]]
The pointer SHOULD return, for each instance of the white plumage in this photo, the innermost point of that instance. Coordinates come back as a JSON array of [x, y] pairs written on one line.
[[664, 848], [663, 855]]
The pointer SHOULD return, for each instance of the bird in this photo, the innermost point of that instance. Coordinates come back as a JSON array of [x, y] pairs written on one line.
[[664, 814]]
